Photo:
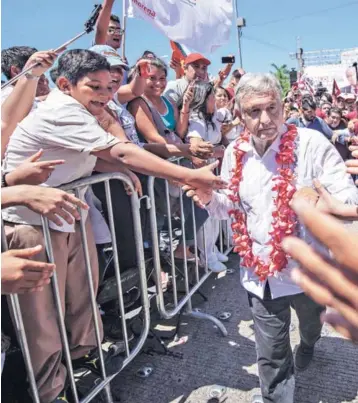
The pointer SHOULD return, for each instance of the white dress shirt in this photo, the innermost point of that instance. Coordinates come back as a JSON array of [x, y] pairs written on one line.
[[316, 158]]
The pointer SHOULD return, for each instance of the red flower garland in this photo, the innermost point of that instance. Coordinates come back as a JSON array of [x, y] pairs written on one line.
[[283, 218]]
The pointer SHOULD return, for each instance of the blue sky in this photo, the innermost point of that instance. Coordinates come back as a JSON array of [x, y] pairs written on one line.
[[321, 24]]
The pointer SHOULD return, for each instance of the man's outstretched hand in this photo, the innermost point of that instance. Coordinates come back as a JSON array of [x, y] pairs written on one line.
[[200, 187], [332, 284]]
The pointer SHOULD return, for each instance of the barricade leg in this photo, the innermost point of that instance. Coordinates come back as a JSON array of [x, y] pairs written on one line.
[[228, 236], [93, 301], [184, 302], [216, 321], [88, 259], [14, 306], [60, 316]]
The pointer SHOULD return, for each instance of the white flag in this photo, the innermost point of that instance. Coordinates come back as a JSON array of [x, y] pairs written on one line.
[[201, 25]]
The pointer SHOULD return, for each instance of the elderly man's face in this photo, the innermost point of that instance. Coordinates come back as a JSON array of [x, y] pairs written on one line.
[[262, 115]]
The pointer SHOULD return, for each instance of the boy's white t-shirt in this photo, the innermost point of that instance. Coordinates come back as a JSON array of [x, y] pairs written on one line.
[[64, 129]]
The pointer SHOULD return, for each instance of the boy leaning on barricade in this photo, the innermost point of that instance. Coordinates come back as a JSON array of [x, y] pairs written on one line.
[[72, 125]]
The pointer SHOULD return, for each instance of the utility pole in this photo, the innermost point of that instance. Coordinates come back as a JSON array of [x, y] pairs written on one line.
[[299, 56], [240, 23]]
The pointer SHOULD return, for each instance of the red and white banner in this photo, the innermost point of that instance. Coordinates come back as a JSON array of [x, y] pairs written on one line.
[[201, 25]]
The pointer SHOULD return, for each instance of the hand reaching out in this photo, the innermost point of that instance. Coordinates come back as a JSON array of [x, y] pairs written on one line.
[[332, 284], [32, 171], [330, 205], [54, 203], [45, 59], [20, 275], [201, 196], [136, 184], [202, 149]]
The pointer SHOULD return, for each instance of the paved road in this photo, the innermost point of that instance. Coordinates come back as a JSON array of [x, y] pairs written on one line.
[[210, 359]]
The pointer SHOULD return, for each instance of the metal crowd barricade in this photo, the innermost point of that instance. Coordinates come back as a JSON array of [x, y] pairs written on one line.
[[76, 186], [190, 290], [224, 225]]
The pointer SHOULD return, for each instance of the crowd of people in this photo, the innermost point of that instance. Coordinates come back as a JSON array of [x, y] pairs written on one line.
[[286, 162]]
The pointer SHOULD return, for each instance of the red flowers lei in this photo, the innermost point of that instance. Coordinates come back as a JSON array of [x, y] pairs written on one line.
[[283, 217]]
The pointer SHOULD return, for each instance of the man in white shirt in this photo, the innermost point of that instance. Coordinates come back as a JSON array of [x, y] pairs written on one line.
[[259, 99]]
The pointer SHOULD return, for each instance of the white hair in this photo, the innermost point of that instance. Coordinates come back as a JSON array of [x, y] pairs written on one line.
[[252, 84]]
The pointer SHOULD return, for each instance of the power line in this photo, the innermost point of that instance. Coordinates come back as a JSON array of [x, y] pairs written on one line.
[[306, 14], [262, 42]]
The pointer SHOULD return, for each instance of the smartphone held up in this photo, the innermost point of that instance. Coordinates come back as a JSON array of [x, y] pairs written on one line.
[[228, 60]]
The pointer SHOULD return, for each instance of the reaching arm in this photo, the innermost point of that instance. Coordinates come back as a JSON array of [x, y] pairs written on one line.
[[144, 122], [103, 22], [182, 116], [50, 202], [19, 103], [15, 108], [139, 160], [104, 166], [326, 129], [202, 150], [135, 88]]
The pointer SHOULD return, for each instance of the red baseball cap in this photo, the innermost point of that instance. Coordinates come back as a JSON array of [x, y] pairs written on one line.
[[195, 57]]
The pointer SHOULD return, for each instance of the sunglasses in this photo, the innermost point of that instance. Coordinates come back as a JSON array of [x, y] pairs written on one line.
[[119, 31]]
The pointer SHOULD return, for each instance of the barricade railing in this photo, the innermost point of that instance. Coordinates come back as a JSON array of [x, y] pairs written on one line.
[[190, 289], [130, 353], [224, 225], [14, 307]]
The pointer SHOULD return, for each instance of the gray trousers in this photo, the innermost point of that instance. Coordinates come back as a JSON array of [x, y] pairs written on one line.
[[272, 318]]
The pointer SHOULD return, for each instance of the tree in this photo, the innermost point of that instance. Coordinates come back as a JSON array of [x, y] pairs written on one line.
[[283, 75]]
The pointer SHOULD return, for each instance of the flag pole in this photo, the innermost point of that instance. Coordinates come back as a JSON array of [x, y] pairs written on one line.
[[124, 27], [239, 23], [89, 26]]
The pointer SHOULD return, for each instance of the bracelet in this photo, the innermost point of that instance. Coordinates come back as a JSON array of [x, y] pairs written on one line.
[[185, 113], [4, 184]]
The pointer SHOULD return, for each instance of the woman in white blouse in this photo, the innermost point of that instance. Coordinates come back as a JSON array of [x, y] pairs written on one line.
[[205, 125]]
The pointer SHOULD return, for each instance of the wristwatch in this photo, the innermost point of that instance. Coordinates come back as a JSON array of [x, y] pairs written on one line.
[[3, 179], [30, 76]]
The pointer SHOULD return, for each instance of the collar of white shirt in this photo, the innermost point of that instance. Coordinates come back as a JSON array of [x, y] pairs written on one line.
[[56, 96]]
